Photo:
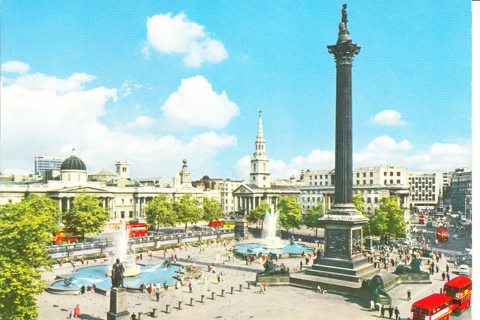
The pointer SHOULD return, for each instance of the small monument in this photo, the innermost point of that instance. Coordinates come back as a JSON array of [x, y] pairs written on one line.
[[118, 294]]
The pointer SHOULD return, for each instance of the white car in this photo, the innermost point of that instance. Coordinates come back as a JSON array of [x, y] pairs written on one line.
[[464, 270]]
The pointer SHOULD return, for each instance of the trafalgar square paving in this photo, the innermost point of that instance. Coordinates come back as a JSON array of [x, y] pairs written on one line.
[[277, 302]]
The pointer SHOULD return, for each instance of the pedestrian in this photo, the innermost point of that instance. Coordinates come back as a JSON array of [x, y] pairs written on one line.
[[382, 311], [372, 305], [409, 295], [448, 276], [70, 316], [76, 312], [447, 267], [390, 312], [133, 317], [397, 313], [443, 276], [437, 268], [157, 295], [190, 289], [264, 287]]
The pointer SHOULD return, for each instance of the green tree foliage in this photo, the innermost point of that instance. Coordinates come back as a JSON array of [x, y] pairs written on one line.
[[311, 219], [188, 210], [290, 212], [160, 212], [212, 210], [388, 219], [25, 232], [86, 215], [258, 213]]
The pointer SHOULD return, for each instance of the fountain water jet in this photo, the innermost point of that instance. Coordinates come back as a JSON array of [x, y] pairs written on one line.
[[270, 240], [121, 252]]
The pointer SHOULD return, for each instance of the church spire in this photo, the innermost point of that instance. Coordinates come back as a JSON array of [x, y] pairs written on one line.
[[260, 168]]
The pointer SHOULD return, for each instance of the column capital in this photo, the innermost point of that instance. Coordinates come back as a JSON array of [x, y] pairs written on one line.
[[344, 52]]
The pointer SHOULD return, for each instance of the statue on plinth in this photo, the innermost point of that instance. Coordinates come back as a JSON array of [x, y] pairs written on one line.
[[413, 268], [273, 270], [375, 287], [117, 274]]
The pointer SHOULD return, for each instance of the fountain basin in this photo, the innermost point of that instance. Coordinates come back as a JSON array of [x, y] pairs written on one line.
[[99, 276], [285, 250]]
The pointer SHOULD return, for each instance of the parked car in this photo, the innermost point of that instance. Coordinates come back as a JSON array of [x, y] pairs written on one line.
[[464, 270]]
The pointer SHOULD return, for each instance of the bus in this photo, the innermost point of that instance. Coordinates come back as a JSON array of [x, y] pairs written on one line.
[[434, 307], [442, 235], [66, 235], [215, 223], [421, 219], [460, 290], [137, 229]]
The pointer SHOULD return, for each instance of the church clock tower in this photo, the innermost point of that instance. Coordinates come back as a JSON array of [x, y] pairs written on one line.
[[259, 163]]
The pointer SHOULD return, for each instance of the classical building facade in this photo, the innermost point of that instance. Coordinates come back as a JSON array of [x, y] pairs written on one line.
[[458, 195], [125, 198]]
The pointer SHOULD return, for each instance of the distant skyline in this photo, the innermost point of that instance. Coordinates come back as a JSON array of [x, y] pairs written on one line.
[[155, 83]]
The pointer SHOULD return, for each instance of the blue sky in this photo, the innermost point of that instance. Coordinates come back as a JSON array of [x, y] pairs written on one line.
[[154, 82]]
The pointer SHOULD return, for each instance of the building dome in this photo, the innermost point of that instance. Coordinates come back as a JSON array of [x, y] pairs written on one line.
[[73, 163]]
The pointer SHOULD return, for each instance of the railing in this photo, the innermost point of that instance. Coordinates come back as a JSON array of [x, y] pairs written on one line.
[[106, 246]]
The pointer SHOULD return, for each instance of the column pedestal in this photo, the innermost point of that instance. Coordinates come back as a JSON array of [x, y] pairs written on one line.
[[118, 305]]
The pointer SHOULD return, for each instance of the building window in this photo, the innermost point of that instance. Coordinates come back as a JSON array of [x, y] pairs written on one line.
[[253, 178], [130, 214], [385, 174], [358, 175], [254, 167], [376, 200], [391, 174], [391, 181], [398, 174], [358, 181], [371, 174], [264, 178], [364, 182], [384, 182], [398, 181], [364, 174], [315, 177], [369, 200], [371, 181], [122, 214]]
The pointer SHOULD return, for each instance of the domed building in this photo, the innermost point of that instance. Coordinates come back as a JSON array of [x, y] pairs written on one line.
[[73, 171]]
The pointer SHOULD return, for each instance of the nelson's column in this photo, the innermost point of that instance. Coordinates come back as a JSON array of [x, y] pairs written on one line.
[[343, 259]]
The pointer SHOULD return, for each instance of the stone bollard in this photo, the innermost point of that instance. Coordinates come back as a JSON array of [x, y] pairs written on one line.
[[441, 290], [179, 305], [240, 287], [154, 312], [140, 316], [213, 295], [201, 298], [231, 290], [248, 285], [167, 308], [223, 291], [191, 301]]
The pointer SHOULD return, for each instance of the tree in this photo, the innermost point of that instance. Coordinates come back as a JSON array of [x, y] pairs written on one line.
[[212, 210], [160, 212], [188, 210], [25, 233], [290, 212], [258, 213], [311, 219], [86, 215], [388, 219]]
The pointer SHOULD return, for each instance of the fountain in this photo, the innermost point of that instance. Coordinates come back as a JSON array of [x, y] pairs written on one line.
[[121, 252], [269, 232], [270, 242]]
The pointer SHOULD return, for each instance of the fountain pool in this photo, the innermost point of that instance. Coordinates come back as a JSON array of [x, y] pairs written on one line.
[[271, 243], [99, 275]]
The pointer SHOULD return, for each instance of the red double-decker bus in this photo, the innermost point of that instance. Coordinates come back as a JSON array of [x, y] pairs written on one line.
[[421, 219], [137, 229], [66, 235], [460, 290], [442, 235], [434, 307]]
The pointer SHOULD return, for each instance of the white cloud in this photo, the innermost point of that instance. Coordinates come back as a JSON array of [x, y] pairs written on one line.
[[388, 118], [15, 67], [141, 122], [168, 35], [196, 104], [49, 118]]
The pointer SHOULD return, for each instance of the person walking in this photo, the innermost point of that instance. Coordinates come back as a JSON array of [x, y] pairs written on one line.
[[409, 295], [190, 289], [390, 312], [448, 276], [443, 276], [447, 267], [397, 313], [382, 311], [157, 295], [76, 312]]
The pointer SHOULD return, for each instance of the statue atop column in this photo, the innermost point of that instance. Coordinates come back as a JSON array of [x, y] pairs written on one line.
[[344, 14], [117, 274]]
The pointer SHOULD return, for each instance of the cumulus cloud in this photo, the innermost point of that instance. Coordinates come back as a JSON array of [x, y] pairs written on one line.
[[15, 67], [196, 104], [50, 117], [388, 118], [177, 34], [141, 122]]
